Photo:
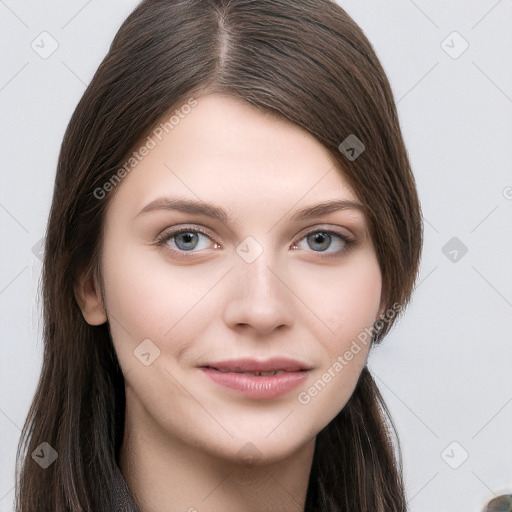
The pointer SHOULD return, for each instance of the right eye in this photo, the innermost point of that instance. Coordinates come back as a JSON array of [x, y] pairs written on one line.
[[184, 240]]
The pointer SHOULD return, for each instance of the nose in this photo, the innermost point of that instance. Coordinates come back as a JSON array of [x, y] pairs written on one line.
[[259, 299]]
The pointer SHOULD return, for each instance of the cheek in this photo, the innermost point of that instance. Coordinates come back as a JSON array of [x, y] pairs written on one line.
[[147, 297], [346, 300], [349, 311]]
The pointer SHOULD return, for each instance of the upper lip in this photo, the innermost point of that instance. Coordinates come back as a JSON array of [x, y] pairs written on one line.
[[254, 365]]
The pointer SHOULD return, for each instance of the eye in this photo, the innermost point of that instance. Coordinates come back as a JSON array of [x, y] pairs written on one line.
[[321, 240], [184, 239]]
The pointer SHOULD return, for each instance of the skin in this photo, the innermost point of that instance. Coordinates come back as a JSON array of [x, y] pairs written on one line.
[[186, 437]]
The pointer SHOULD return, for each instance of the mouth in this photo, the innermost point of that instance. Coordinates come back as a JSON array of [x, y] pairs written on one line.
[[258, 379], [254, 373], [274, 366]]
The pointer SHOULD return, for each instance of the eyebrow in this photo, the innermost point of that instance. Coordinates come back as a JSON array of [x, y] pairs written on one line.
[[216, 212]]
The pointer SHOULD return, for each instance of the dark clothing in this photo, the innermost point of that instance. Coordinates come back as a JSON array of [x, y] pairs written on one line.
[[123, 498]]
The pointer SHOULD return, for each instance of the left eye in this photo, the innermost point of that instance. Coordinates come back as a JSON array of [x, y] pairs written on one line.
[[319, 241]]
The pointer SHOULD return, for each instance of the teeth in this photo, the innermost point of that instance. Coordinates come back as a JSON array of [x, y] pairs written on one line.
[[254, 374], [264, 374]]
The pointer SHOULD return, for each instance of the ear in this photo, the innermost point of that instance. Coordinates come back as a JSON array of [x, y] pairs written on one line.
[[88, 296]]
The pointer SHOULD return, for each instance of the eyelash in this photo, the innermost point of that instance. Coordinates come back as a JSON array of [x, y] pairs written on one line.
[[165, 236]]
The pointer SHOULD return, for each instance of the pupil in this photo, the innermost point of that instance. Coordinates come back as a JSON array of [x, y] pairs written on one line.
[[188, 238], [323, 239]]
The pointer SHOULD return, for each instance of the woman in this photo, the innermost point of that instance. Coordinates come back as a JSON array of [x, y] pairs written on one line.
[[234, 225]]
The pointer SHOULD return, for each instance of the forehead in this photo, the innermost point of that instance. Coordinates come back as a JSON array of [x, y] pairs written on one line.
[[225, 150]]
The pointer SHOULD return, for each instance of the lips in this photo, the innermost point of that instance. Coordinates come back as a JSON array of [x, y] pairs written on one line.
[[259, 368], [258, 379]]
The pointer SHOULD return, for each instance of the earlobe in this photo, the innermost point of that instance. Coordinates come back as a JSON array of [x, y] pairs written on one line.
[[88, 296]]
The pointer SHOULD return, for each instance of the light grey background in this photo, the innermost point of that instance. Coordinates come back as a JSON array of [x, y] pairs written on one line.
[[445, 369]]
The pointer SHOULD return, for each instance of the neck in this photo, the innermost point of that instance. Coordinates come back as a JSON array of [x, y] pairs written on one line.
[[166, 475]]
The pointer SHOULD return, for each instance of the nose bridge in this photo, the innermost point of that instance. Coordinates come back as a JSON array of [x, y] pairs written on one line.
[[255, 259], [260, 299], [258, 279]]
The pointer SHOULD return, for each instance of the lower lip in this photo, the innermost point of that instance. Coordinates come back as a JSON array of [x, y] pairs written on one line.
[[257, 387]]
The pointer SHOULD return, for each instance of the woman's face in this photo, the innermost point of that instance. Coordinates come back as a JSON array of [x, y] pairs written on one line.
[[251, 284]]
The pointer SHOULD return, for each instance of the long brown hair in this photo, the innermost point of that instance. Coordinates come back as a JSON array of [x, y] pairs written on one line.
[[304, 60]]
